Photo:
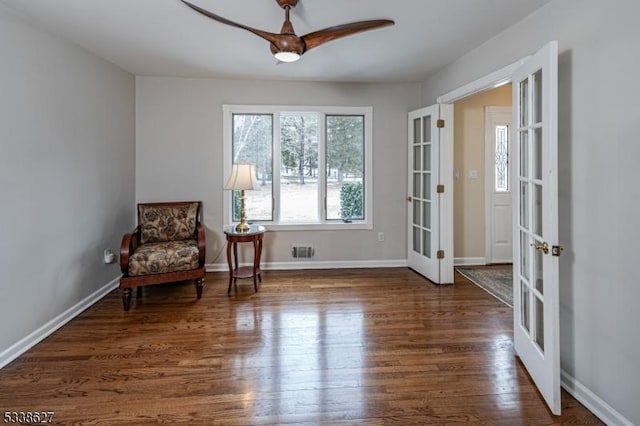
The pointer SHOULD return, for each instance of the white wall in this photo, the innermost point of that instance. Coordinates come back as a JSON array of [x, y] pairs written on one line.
[[66, 176], [179, 156], [599, 150]]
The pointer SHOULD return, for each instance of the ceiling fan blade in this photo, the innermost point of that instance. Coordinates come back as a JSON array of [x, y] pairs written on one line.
[[270, 37], [317, 38]]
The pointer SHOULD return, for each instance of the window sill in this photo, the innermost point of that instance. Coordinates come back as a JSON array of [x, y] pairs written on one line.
[[326, 226]]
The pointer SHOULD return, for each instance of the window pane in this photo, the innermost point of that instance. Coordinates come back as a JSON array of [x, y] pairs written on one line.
[[345, 167], [299, 167], [502, 159], [252, 143]]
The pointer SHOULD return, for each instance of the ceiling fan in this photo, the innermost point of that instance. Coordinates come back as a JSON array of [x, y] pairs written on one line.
[[286, 46]]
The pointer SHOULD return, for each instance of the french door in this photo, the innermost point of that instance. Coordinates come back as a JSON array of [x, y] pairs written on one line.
[[426, 194], [535, 222]]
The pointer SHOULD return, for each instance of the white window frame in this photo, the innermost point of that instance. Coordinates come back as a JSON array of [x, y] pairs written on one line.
[[323, 223]]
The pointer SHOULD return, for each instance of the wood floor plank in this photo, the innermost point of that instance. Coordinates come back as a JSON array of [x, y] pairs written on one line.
[[360, 346]]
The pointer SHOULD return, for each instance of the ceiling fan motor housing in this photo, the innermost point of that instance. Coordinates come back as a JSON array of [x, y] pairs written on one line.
[[288, 43], [287, 3]]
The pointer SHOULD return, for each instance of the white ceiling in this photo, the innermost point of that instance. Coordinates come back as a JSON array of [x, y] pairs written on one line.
[[166, 38]]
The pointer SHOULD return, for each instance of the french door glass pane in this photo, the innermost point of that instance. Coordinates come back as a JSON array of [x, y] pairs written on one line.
[[252, 142], [416, 185], [426, 243], [537, 153], [524, 103], [426, 214], [524, 255], [538, 271], [524, 153], [416, 239], [539, 323], [426, 124], [426, 187], [524, 204], [524, 302], [416, 157], [537, 97], [416, 212], [537, 209], [345, 167], [416, 131], [426, 150], [299, 167]]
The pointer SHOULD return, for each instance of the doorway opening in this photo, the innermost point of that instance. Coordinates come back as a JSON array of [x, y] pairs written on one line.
[[482, 218]]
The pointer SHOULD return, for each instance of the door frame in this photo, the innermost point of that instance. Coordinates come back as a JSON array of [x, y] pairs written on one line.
[[490, 81], [489, 184]]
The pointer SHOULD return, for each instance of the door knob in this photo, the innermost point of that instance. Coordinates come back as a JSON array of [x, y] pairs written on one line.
[[409, 198], [544, 247]]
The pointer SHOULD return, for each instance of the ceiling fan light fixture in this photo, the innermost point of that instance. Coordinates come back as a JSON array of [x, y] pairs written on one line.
[[287, 56]]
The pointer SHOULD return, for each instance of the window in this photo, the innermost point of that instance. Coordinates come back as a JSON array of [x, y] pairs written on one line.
[[502, 158], [313, 165]]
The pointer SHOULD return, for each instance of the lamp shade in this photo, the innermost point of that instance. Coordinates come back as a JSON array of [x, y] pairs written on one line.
[[243, 176]]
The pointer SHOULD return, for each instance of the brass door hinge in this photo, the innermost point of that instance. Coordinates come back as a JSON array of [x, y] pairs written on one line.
[[440, 254], [440, 124], [440, 189]]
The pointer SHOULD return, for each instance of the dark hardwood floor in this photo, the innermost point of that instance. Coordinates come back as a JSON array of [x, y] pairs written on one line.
[[366, 346]]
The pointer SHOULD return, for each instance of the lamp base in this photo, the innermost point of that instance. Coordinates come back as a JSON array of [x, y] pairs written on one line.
[[243, 227]]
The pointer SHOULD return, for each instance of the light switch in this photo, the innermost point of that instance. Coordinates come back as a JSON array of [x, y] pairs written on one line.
[[473, 174]]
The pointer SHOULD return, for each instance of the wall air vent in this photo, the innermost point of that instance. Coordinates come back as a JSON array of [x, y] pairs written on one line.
[[302, 252]]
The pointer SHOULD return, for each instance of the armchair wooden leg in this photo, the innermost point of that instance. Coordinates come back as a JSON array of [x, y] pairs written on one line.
[[199, 286], [126, 298]]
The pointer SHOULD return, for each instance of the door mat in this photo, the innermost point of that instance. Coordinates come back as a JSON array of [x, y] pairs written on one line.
[[495, 280]]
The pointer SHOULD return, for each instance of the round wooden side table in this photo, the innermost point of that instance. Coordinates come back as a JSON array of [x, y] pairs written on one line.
[[253, 235]]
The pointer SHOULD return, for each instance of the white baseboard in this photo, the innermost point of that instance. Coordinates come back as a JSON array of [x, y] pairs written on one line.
[[346, 264], [593, 402], [26, 343], [469, 261]]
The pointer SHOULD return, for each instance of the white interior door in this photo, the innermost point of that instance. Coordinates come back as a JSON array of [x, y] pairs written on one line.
[[426, 196], [535, 220], [498, 197]]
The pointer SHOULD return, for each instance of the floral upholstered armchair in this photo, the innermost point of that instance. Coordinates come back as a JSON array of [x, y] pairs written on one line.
[[168, 245]]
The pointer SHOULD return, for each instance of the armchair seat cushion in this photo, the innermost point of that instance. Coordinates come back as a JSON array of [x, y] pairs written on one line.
[[163, 257]]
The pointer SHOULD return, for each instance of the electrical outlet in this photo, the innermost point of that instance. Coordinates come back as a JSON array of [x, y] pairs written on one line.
[[109, 257], [380, 236]]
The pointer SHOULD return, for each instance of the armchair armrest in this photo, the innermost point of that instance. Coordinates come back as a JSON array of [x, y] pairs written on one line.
[[202, 246], [129, 244]]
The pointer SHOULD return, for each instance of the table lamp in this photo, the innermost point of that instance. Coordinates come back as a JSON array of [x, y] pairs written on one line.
[[242, 177]]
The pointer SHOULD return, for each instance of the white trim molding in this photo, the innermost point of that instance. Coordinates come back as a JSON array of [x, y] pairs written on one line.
[[341, 264], [469, 261], [593, 402], [490, 81], [26, 343]]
